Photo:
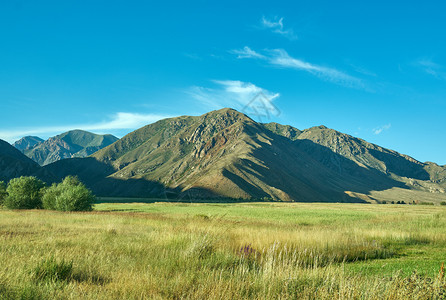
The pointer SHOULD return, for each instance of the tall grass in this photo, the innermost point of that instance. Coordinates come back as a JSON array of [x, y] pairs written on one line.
[[180, 251]]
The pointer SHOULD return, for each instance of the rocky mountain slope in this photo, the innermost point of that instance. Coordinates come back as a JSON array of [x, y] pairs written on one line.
[[224, 153], [27, 142], [75, 143], [425, 176]]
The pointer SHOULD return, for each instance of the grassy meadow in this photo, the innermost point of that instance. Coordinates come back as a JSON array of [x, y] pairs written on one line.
[[225, 251]]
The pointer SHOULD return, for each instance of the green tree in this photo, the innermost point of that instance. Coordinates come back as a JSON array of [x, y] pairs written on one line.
[[3, 193], [69, 195], [24, 193]]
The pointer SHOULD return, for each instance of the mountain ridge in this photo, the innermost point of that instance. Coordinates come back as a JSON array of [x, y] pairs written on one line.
[[375, 156], [225, 153], [74, 143]]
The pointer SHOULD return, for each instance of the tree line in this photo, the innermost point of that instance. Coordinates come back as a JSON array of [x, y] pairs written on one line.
[[29, 192]]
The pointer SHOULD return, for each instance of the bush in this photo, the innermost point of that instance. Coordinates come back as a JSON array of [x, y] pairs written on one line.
[[69, 195], [3, 193], [49, 197], [442, 203], [24, 193]]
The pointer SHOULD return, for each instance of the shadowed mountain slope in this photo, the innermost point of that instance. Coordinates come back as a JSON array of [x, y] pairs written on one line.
[[75, 143], [14, 163], [426, 176], [224, 153]]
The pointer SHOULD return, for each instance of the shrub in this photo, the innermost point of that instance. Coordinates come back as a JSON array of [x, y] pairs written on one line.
[[3, 193], [442, 203], [69, 195], [49, 197], [24, 193]]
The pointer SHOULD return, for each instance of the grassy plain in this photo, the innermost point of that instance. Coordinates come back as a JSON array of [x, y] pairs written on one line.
[[225, 251]]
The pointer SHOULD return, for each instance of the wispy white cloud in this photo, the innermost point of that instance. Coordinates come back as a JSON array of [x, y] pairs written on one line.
[[276, 26], [427, 62], [244, 90], [280, 58], [119, 121], [363, 70], [244, 96], [125, 120], [431, 68], [247, 52], [193, 56], [379, 130]]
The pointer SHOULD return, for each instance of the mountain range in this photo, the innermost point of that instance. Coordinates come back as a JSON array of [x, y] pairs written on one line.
[[225, 154], [75, 143]]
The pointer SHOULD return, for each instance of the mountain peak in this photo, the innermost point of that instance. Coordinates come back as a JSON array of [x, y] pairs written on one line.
[[75, 131], [320, 127], [227, 112], [225, 109], [283, 130], [27, 142]]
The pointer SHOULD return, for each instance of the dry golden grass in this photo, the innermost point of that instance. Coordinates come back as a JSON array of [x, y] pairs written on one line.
[[224, 251]]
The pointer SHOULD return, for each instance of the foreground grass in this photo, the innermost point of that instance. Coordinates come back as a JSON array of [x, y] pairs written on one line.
[[223, 251]]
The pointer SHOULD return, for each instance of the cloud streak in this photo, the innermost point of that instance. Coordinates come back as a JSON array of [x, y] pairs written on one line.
[[380, 129], [276, 26], [431, 68], [280, 58], [118, 121], [236, 94], [247, 52]]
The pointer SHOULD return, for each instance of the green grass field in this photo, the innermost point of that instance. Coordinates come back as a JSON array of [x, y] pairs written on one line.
[[224, 251]]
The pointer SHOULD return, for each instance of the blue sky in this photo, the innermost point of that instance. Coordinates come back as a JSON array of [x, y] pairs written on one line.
[[372, 69]]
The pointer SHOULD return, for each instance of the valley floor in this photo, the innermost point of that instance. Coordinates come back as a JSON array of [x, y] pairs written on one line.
[[225, 251]]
